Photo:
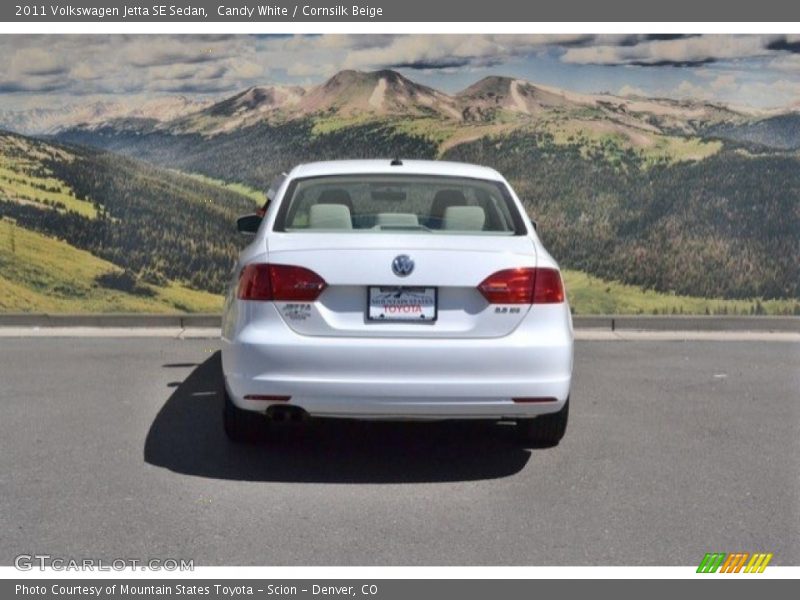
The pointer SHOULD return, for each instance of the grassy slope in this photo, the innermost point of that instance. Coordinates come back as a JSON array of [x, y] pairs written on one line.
[[51, 276], [594, 135], [612, 139], [591, 295], [24, 179], [257, 196], [41, 274]]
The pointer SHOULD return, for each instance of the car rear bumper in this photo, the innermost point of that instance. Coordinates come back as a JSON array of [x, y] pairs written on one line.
[[404, 378]]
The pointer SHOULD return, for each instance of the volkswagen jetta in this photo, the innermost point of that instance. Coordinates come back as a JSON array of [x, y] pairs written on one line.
[[379, 289]]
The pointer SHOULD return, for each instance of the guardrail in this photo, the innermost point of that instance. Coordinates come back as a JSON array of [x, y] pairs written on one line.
[[602, 322]]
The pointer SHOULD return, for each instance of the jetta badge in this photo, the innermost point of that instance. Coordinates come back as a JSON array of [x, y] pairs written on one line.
[[402, 265]]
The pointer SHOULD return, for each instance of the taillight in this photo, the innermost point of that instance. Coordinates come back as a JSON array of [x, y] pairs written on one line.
[[548, 288], [512, 286], [254, 283], [295, 283], [284, 283], [523, 286]]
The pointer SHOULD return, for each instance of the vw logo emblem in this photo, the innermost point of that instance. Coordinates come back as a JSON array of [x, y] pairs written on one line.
[[402, 265]]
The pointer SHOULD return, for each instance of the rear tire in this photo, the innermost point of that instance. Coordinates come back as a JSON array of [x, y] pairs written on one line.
[[241, 426], [544, 430]]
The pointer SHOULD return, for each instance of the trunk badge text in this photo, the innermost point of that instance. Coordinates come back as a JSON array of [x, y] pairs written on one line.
[[402, 265]]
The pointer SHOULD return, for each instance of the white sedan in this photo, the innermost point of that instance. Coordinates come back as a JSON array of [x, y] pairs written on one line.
[[378, 289]]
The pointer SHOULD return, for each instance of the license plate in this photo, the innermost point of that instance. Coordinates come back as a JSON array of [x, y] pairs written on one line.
[[401, 304]]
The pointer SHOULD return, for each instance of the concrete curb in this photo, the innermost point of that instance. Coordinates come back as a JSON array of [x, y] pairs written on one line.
[[686, 323], [583, 322], [121, 320]]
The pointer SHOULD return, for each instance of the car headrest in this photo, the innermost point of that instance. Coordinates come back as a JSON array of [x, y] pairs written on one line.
[[336, 196], [445, 198], [397, 219], [464, 218], [329, 216]]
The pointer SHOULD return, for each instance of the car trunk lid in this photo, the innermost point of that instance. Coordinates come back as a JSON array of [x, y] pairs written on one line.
[[455, 265]]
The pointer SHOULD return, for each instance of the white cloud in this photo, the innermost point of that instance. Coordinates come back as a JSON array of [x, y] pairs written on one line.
[[99, 64], [450, 50], [692, 50], [246, 69], [687, 89], [310, 69], [740, 92], [35, 61], [725, 82], [84, 71], [787, 89], [786, 62], [168, 50], [724, 85], [87, 66], [629, 90]]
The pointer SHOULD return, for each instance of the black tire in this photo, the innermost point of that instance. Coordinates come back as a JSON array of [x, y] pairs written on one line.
[[241, 426], [544, 430]]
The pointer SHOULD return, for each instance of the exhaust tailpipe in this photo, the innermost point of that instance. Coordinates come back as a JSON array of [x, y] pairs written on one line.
[[280, 413]]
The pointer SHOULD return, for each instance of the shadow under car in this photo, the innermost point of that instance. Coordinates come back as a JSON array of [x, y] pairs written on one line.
[[187, 437]]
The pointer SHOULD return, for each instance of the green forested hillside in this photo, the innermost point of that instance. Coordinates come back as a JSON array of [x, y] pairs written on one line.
[[668, 213], [590, 295], [648, 203], [42, 274], [254, 155], [158, 226], [159, 229], [780, 131], [727, 226]]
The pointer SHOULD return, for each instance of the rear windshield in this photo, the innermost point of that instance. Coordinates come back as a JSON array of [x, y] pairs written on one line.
[[392, 203]]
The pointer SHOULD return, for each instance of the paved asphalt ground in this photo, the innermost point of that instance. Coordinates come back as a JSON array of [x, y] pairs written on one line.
[[113, 448]]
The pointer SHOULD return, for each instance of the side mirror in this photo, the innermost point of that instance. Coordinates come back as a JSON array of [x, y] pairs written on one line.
[[535, 225], [248, 224]]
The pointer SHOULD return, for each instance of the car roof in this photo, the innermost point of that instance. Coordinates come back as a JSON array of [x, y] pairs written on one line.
[[384, 166]]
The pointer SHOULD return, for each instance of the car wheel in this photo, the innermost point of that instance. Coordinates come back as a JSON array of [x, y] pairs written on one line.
[[241, 426], [544, 430]]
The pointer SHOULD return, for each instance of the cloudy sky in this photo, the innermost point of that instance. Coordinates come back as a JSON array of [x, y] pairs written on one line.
[[51, 71]]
